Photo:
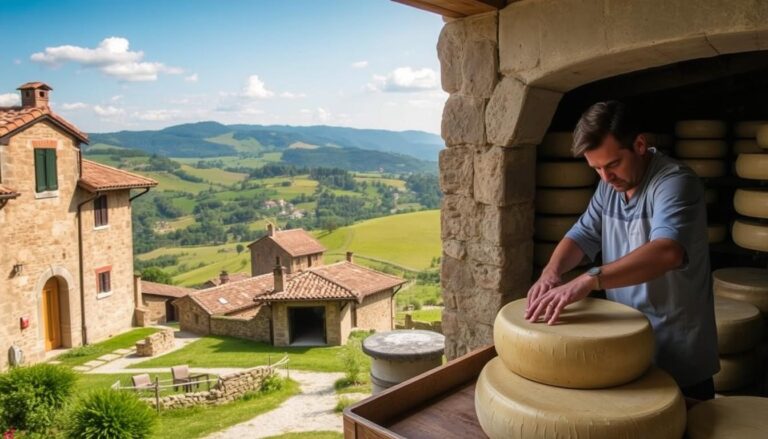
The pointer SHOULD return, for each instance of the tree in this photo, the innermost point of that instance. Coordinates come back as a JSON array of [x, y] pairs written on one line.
[[154, 274], [240, 248]]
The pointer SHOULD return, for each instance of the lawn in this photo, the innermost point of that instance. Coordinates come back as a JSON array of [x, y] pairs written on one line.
[[169, 182], [83, 354], [90, 381], [310, 435], [233, 352], [214, 175], [423, 294], [423, 315]]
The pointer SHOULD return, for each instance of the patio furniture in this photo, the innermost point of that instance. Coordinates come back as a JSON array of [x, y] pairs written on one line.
[[142, 382], [182, 377]]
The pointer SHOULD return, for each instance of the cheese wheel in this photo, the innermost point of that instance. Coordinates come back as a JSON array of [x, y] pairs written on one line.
[[552, 228], [592, 333], [711, 196], [737, 371], [556, 145], [702, 149], [700, 129], [706, 168], [762, 136], [732, 417], [752, 166], [751, 202], [739, 326], [563, 201], [509, 406], [748, 128], [751, 235], [746, 284], [746, 146], [575, 173]]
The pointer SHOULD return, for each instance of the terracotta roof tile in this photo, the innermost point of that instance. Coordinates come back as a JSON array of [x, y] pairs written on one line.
[[236, 295], [157, 289], [14, 118], [34, 84], [233, 277], [297, 242], [98, 177], [6, 192]]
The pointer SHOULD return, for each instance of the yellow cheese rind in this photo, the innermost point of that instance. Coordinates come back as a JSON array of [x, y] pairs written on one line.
[[737, 371], [706, 168], [552, 228], [716, 233], [746, 284], [748, 128], [556, 145], [751, 202], [576, 173], [509, 406], [700, 129], [733, 417], [739, 326], [563, 201], [751, 235], [761, 135], [752, 166], [701, 149], [590, 334]]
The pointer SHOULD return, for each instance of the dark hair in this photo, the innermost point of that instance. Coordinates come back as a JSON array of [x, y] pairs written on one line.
[[601, 119]]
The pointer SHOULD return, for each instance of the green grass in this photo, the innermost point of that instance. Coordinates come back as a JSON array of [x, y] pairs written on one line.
[[91, 381], [214, 175], [310, 435], [177, 224], [234, 161], [411, 240], [399, 184], [342, 386], [225, 257], [424, 294], [247, 145], [81, 355], [169, 182], [187, 205], [233, 352], [423, 315]]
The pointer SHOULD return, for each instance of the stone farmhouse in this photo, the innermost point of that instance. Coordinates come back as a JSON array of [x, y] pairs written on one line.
[[295, 247], [307, 306], [157, 302], [66, 258]]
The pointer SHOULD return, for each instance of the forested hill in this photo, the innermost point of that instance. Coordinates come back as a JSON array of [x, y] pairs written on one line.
[[212, 139]]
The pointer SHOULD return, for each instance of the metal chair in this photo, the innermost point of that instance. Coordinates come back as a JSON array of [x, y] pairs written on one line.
[[182, 377], [141, 382]]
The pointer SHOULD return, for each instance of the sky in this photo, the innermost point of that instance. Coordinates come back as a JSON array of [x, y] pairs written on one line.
[[138, 65]]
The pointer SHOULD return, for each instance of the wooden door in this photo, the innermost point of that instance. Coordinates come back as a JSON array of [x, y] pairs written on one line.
[[51, 315]]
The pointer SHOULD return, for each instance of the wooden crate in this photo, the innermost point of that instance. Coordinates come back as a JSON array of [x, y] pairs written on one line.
[[437, 404]]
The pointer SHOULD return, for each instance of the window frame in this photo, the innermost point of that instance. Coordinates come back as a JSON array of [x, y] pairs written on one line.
[[46, 171], [100, 212], [103, 282]]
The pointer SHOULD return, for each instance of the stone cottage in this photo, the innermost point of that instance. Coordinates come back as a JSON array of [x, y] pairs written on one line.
[[518, 69], [66, 263], [314, 306], [157, 301], [296, 248]]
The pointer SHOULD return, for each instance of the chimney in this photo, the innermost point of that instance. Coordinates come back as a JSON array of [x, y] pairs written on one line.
[[270, 230], [223, 277], [34, 94], [137, 290], [278, 275], [350, 257]]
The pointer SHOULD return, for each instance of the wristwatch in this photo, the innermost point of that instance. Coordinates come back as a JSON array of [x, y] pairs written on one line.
[[596, 272]]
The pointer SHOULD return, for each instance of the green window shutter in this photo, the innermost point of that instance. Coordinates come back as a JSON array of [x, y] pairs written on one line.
[[51, 176], [40, 170]]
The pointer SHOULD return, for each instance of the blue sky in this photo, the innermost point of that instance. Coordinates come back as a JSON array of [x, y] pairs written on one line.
[[150, 64]]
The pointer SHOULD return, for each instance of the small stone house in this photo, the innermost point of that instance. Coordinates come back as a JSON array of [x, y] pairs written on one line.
[[66, 258], [157, 299], [296, 248]]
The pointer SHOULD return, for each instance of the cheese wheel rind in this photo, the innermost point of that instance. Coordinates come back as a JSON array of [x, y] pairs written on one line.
[[736, 417], [751, 235], [562, 201], [761, 135], [701, 129], [509, 406], [556, 145], [701, 149], [737, 371], [746, 146], [739, 326], [746, 284], [752, 166], [552, 228], [706, 168], [751, 202], [565, 174], [592, 333], [748, 128]]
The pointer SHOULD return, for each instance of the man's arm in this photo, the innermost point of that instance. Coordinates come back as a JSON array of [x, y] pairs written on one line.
[[566, 257]]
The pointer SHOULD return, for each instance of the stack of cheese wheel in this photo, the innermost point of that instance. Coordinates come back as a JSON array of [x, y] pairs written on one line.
[[701, 146], [564, 186], [735, 417], [662, 142], [739, 331], [750, 286], [588, 376], [752, 232]]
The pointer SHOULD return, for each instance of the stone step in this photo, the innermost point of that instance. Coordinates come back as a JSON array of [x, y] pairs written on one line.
[[123, 351], [109, 357], [94, 363], [81, 368]]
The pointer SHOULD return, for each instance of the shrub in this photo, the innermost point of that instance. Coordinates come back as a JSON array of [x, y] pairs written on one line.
[[353, 360], [343, 402], [110, 414], [30, 397], [81, 351], [271, 383]]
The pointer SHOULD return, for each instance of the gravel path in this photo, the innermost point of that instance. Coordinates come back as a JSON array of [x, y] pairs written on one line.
[[311, 410]]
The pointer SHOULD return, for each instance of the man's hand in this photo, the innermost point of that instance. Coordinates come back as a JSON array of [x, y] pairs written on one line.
[[546, 282], [551, 303]]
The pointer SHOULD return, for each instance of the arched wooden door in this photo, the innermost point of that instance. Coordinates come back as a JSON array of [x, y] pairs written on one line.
[[51, 315]]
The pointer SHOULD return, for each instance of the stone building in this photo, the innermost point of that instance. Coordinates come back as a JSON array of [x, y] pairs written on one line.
[[157, 299], [315, 306], [296, 248], [223, 278], [518, 69], [66, 263]]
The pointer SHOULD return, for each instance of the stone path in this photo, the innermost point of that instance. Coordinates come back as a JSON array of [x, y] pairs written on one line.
[[119, 364]]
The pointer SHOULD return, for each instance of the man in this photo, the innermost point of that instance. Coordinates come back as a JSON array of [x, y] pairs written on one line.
[[648, 217]]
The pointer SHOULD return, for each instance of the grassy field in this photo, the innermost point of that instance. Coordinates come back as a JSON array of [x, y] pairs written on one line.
[[234, 161], [423, 294], [177, 224], [411, 240], [83, 354], [90, 381], [370, 178], [422, 315], [217, 176], [200, 263], [169, 182]]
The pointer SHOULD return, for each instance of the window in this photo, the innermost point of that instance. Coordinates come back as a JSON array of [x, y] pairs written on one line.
[[309, 261], [103, 280], [45, 170], [100, 217]]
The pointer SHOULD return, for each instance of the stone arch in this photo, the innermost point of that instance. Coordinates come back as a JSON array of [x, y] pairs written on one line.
[[67, 302]]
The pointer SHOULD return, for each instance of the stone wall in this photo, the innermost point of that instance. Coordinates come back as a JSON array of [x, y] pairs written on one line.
[[280, 323], [254, 325], [229, 388], [376, 312], [264, 252], [155, 307], [155, 344], [192, 317], [417, 324]]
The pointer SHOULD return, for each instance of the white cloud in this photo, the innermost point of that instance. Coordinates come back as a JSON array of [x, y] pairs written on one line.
[[116, 98], [323, 115], [17, 61], [191, 78], [289, 95], [360, 64], [73, 106], [255, 88], [155, 115], [9, 99], [108, 110], [112, 57], [404, 79]]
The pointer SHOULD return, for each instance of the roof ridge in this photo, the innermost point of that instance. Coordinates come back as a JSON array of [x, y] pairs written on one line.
[[340, 285], [122, 171]]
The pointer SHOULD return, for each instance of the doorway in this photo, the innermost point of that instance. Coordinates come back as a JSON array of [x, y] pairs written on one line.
[[51, 315], [307, 325]]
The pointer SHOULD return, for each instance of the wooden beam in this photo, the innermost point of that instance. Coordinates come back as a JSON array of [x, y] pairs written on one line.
[[455, 8]]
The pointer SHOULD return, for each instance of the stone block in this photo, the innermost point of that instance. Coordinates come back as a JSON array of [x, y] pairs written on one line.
[[456, 170], [457, 218], [93, 363], [463, 121], [504, 176], [482, 27], [510, 278], [479, 68], [506, 225], [455, 276], [455, 249], [481, 305], [109, 357], [450, 46], [518, 114]]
